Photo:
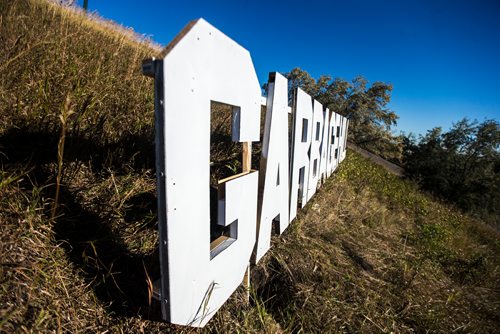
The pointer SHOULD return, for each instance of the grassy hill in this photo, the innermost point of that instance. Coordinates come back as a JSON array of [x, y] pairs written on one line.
[[370, 252]]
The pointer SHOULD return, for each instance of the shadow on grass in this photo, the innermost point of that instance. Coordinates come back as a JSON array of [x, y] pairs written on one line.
[[22, 146], [117, 276], [278, 293]]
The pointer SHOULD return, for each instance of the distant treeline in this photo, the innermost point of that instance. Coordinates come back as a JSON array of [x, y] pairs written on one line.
[[365, 105], [461, 165]]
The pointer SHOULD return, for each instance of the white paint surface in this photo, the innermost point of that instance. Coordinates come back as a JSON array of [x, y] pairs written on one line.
[[325, 145], [341, 139], [274, 165], [315, 154], [303, 113], [205, 65], [331, 144], [337, 142], [346, 128]]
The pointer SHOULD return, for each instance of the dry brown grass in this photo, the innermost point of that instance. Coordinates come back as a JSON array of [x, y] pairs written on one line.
[[360, 259], [370, 253]]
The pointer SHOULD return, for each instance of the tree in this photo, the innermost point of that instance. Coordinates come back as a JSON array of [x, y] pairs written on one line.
[[461, 165], [364, 105]]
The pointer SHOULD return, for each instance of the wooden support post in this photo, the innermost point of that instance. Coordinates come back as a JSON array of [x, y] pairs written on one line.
[[247, 166], [247, 156]]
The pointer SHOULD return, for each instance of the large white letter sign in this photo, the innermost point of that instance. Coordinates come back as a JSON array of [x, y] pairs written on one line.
[[315, 155], [301, 136], [202, 65], [346, 127], [274, 164], [331, 144], [336, 147], [325, 145], [341, 138]]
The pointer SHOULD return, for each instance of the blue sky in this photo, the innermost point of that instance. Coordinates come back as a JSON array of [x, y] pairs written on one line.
[[442, 57]]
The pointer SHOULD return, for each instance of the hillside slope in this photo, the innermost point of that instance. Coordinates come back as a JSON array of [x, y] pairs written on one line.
[[370, 252]]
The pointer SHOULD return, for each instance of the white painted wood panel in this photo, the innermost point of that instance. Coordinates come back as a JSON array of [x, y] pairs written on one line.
[[274, 165], [315, 154], [202, 65], [325, 144], [205, 65], [302, 134]]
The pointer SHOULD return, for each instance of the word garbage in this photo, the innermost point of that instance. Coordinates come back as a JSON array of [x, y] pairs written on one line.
[[199, 66]]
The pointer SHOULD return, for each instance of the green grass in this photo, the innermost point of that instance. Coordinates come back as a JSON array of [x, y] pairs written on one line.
[[370, 252]]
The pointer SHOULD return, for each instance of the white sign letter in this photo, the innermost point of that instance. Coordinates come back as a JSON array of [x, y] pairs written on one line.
[[274, 165], [302, 134], [202, 65], [315, 155]]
